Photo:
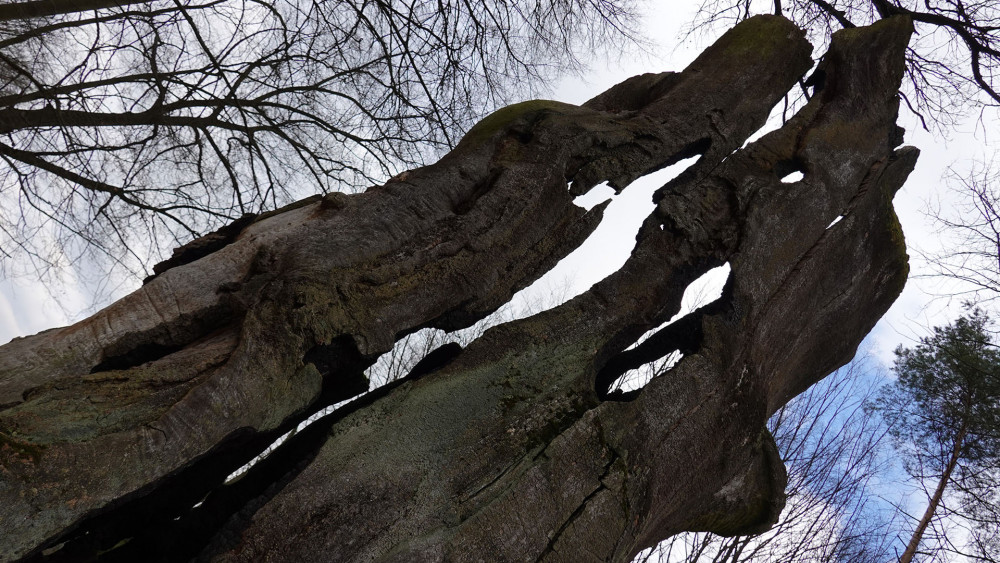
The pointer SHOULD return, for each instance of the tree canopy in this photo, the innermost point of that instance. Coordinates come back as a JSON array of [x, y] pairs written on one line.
[[944, 413]]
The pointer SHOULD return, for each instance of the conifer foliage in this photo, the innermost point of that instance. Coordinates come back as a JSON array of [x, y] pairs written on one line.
[[944, 413]]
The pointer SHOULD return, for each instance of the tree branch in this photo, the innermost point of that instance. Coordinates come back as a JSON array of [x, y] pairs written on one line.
[[42, 8]]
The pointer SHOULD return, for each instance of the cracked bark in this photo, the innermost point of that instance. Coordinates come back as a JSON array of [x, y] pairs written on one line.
[[112, 429]]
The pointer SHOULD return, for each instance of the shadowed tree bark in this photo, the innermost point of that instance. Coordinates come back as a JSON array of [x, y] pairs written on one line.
[[113, 429]]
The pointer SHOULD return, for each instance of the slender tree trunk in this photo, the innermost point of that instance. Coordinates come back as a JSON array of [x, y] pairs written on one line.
[[918, 534]]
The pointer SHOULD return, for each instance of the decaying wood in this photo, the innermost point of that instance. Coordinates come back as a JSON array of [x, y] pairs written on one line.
[[112, 429]]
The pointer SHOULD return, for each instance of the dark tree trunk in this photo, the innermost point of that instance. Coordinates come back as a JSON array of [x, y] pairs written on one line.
[[511, 449]]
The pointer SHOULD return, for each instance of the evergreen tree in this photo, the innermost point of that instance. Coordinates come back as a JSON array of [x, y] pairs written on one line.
[[944, 414]]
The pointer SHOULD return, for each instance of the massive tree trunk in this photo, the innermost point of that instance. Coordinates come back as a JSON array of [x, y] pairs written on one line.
[[112, 429]]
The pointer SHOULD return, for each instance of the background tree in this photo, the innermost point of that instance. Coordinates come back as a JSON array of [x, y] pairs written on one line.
[[943, 411], [970, 229], [127, 127]]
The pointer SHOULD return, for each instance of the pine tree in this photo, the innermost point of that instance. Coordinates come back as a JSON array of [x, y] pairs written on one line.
[[944, 414]]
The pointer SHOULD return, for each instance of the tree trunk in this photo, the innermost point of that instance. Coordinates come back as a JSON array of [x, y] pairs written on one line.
[[113, 429], [925, 520]]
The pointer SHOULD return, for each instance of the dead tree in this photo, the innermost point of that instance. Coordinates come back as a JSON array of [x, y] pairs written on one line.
[[116, 433]]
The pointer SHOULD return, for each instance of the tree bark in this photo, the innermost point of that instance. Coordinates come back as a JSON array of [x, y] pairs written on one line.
[[113, 429]]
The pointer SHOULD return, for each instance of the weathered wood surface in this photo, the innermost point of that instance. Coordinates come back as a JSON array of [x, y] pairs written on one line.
[[113, 428]]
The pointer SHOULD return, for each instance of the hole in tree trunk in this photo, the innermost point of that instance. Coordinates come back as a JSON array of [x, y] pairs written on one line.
[[659, 350]]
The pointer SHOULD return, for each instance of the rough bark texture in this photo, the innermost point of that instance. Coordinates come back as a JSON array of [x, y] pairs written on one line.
[[511, 449]]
